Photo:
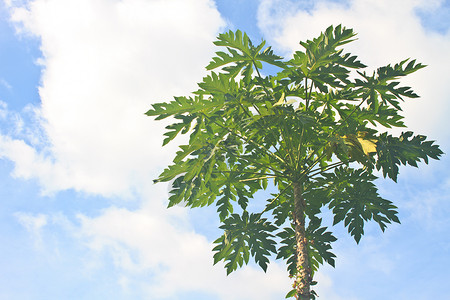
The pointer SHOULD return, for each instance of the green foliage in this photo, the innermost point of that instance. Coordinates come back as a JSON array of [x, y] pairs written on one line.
[[243, 54], [243, 236], [405, 149], [321, 121], [354, 199]]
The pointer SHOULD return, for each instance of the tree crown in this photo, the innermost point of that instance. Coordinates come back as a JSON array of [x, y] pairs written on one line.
[[321, 122]]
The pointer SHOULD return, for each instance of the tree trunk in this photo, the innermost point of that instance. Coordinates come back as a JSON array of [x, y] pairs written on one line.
[[303, 276]]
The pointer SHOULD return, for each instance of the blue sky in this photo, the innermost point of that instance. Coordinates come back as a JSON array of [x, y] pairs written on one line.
[[80, 218]]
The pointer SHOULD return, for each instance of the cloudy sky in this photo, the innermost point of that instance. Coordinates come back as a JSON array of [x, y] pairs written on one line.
[[79, 215]]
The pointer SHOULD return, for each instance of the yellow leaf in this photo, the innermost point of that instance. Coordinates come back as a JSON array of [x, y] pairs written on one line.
[[368, 146], [290, 101], [281, 101]]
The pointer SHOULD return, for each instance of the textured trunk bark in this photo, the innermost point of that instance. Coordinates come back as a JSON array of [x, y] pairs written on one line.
[[303, 277]]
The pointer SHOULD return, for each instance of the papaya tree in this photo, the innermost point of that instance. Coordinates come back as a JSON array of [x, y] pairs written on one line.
[[316, 131]]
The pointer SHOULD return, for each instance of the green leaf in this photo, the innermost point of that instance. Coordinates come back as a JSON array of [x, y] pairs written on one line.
[[217, 85], [224, 206], [406, 149], [183, 105], [291, 294], [224, 59], [174, 129], [388, 72], [319, 244], [355, 200], [245, 235], [242, 55], [235, 40], [287, 251]]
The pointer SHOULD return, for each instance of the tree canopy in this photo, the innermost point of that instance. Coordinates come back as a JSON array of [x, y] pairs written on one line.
[[317, 130]]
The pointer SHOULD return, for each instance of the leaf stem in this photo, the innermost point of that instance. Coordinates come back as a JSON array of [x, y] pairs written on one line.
[[300, 144], [248, 140], [257, 178], [329, 167], [333, 131], [273, 97], [276, 198]]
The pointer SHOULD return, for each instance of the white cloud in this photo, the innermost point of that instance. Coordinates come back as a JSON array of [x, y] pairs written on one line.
[[178, 258], [11, 122], [5, 84], [34, 225], [326, 288], [104, 63]]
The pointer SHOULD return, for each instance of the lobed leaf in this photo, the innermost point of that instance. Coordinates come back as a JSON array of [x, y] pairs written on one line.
[[245, 235], [406, 149]]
